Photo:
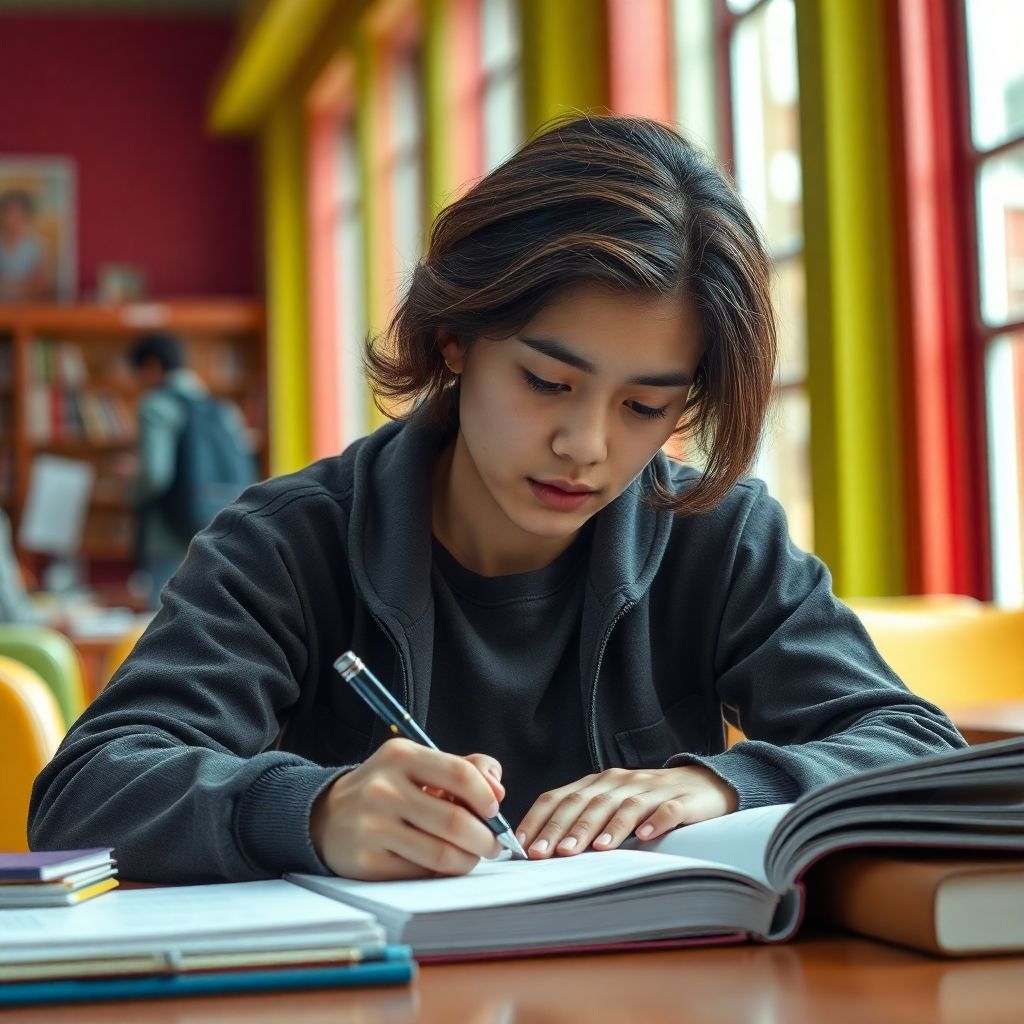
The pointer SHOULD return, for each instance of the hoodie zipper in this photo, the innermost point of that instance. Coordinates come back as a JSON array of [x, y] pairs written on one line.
[[595, 757], [401, 661]]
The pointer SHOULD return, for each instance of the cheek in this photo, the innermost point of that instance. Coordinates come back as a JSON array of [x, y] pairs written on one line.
[[501, 426]]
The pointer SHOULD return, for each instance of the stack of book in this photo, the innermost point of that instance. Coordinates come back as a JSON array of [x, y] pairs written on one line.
[[60, 878], [193, 940]]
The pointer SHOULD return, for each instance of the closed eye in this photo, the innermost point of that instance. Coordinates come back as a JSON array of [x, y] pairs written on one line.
[[649, 412], [545, 387]]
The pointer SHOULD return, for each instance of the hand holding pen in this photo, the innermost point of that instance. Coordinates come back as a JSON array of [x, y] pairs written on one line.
[[377, 822]]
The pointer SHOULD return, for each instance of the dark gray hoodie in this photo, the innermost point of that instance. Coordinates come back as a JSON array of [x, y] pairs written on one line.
[[202, 758]]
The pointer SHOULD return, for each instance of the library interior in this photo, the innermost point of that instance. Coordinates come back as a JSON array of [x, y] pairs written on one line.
[[224, 226]]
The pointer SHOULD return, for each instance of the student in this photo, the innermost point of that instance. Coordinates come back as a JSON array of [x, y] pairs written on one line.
[[170, 391], [516, 559]]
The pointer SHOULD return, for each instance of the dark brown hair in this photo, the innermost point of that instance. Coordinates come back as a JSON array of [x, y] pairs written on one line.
[[621, 201]]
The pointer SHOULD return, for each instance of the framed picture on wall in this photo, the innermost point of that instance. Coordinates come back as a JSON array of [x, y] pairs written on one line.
[[37, 229]]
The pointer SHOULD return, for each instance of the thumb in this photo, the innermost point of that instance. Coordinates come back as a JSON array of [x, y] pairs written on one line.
[[490, 769]]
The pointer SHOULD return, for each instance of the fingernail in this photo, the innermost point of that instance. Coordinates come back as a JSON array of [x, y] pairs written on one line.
[[492, 809], [493, 772], [522, 838], [644, 831], [541, 846], [568, 843], [603, 840]]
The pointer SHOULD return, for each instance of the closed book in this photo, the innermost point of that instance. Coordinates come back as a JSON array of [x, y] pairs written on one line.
[[34, 993], [52, 895], [45, 865], [962, 905]]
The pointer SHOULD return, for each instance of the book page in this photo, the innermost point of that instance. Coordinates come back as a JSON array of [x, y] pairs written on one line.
[[738, 840], [505, 882]]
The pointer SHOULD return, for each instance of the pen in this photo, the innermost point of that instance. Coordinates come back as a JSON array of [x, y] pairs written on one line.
[[401, 723]]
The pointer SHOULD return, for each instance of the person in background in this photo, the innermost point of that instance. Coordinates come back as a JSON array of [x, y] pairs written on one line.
[[24, 265], [159, 364], [15, 604]]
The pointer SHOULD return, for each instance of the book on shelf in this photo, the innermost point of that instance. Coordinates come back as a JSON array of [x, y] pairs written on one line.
[[735, 877]]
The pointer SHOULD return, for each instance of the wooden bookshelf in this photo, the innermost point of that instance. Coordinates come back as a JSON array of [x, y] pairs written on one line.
[[66, 388]]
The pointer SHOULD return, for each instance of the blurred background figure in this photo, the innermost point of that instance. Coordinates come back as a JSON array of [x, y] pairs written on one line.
[[193, 458]]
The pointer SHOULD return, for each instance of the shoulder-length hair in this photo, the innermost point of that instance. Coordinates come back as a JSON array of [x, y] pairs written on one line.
[[620, 201]]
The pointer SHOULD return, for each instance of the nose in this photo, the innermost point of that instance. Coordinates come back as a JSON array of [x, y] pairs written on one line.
[[582, 436]]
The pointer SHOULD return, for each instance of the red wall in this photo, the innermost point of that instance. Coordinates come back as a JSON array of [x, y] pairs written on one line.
[[125, 98]]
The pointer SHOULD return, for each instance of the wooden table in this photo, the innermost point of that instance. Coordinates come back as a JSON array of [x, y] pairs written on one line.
[[822, 979], [982, 723]]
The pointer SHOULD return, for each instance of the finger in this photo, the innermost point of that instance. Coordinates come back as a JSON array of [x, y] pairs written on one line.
[[450, 822], [633, 810], [568, 811], [491, 769], [669, 815], [594, 822], [455, 775], [537, 816], [429, 853]]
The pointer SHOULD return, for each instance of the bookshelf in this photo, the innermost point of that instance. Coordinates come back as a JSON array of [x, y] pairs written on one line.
[[66, 388]]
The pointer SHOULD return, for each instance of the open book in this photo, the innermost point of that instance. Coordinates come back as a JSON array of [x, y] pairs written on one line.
[[737, 876]]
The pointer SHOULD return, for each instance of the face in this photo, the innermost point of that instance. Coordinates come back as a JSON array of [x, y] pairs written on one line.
[[557, 420]]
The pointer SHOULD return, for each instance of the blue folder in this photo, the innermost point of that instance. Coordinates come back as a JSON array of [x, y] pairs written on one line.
[[34, 993]]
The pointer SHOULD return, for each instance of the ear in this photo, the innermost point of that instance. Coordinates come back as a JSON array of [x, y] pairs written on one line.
[[452, 350]]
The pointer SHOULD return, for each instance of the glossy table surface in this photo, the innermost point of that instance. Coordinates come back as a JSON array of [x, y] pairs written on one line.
[[821, 978]]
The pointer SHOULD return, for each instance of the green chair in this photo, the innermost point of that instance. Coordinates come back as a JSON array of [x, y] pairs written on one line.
[[53, 657]]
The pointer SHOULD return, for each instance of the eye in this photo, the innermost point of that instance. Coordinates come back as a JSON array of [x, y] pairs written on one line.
[[648, 412], [545, 387]]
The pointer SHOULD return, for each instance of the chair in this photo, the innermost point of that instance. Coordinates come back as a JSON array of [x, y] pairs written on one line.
[[954, 654], [119, 651], [54, 657], [31, 728]]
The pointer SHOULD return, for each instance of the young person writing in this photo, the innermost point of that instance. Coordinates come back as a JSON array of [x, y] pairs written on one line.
[[515, 559]]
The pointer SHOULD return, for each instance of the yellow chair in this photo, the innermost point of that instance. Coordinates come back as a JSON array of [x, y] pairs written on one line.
[[31, 728], [54, 657], [954, 654], [119, 651]]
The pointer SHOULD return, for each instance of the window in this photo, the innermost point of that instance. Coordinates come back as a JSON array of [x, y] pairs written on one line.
[[403, 165], [501, 74], [763, 134], [996, 155], [350, 303]]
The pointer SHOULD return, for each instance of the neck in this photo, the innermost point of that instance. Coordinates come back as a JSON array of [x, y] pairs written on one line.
[[474, 528]]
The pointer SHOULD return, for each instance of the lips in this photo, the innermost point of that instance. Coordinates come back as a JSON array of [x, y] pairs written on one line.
[[562, 496]]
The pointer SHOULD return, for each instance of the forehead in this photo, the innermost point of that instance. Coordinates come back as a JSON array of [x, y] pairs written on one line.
[[613, 324]]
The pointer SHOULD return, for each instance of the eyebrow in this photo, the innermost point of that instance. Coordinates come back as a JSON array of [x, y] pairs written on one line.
[[556, 350]]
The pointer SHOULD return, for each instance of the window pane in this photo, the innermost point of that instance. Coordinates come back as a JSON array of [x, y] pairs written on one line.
[[739, 6], [1004, 372], [499, 27], [1001, 236], [350, 301], [784, 462], [503, 117], [791, 308], [406, 177], [766, 120], [694, 58], [996, 69]]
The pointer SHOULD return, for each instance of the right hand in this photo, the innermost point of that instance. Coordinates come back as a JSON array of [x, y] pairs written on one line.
[[384, 820]]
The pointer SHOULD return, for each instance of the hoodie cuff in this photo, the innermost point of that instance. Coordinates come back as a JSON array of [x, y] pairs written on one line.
[[272, 820], [758, 783]]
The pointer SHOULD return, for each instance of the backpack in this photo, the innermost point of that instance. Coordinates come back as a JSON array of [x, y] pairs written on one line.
[[213, 466]]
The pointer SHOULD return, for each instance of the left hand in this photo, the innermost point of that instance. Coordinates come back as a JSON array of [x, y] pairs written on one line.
[[602, 810]]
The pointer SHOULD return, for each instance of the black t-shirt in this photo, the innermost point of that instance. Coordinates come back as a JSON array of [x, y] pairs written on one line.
[[506, 679]]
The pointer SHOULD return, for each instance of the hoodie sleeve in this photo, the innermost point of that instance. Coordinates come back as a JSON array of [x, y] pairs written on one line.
[[796, 671], [173, 764]]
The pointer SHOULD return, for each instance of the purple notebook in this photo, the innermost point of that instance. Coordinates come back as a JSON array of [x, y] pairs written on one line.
[[49, 864]]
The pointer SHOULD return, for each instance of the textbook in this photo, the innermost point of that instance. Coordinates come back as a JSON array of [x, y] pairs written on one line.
[[170, 925], [961, 905], [55, 877], [731, 878]]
